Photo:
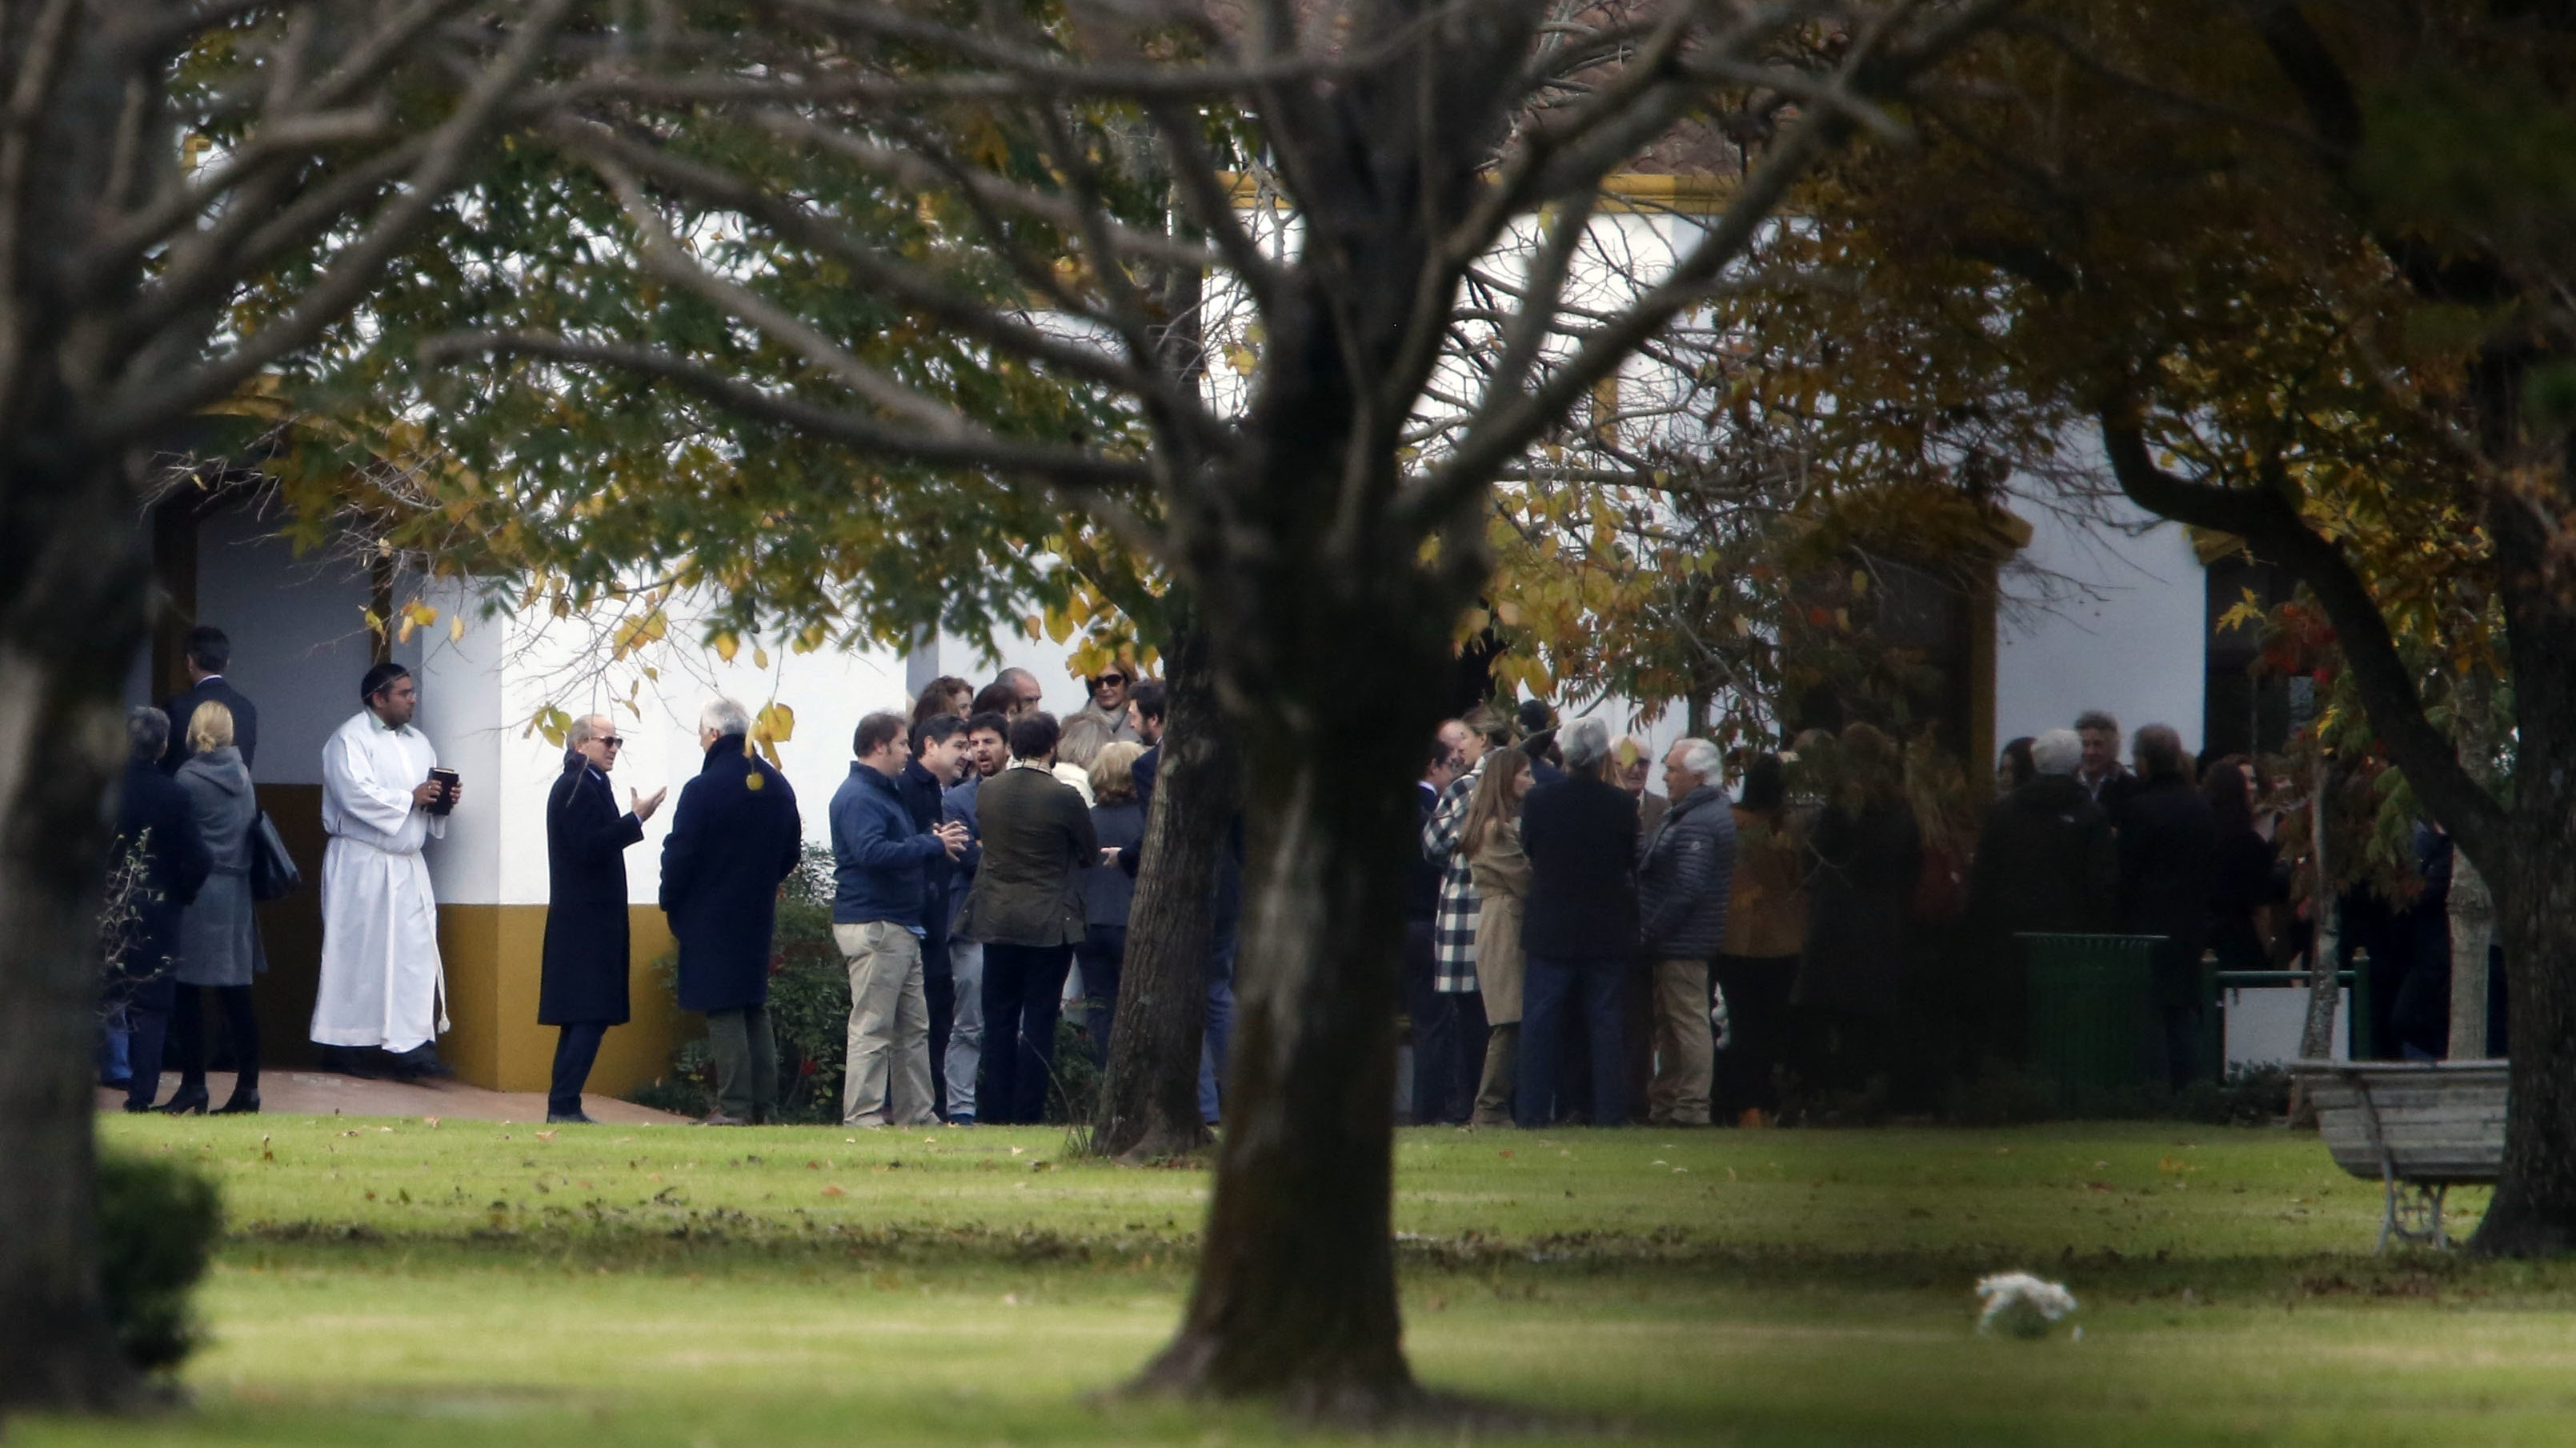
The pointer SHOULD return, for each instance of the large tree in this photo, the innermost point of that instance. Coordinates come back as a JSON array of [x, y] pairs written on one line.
[[158, 160], [1337, 172], [2294, 274]]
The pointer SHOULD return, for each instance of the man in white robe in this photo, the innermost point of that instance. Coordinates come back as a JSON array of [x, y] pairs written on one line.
[[382, 1000]]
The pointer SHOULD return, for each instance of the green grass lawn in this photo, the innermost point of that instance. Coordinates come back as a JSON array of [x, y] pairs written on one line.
[[397, 1283]]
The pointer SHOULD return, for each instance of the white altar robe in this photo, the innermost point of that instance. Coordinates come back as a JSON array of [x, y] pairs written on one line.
[[382, 984]]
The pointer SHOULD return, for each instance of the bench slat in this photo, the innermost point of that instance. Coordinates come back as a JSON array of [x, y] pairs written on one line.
[[2439, 1122]]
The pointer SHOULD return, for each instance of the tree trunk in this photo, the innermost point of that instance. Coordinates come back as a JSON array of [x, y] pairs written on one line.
[[1149, 1101], [71, 617], [1296, 1294], [1332, 669], [2472, 910], [2471, 905], [2531, 876], [2534, 1210], [2325, 941]]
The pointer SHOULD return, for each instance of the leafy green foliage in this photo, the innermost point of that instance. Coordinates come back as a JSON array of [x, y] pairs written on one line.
[[158, 1223]]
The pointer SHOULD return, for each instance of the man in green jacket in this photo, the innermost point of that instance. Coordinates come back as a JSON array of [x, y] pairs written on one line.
[[1026, 908]]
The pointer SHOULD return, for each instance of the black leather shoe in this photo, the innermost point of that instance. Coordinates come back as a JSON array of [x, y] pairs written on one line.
[[191, 1101], [243, 1102], [419, 1063], [138, 1108], [575, 1118], [364, 1062]]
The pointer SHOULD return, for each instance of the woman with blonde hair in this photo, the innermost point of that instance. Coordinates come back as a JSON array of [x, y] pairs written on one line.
[[219, 931], [1118, 819], [1491, 840]]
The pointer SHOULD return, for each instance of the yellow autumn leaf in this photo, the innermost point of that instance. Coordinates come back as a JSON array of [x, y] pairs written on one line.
[[759, 657], [727, 645], [456, 629]]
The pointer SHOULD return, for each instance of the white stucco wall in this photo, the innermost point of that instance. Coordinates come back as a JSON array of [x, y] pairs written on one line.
[[2122, 629]]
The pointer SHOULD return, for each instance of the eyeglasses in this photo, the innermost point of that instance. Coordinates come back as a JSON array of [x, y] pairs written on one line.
[[608, 741], [1108, 680]]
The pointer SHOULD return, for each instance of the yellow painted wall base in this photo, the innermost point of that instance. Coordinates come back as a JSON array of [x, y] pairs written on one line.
[[493, 955]]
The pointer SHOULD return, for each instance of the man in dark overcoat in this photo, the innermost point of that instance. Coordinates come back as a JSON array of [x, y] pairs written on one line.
[[735, 837], [2168, 840], [2046, 863], [153, 814], [582, 987], [209, 654]]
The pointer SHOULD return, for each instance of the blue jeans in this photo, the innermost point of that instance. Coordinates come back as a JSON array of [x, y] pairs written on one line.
[[965, 1027], [1220, 1025], [1101, 954], [1552, 993]]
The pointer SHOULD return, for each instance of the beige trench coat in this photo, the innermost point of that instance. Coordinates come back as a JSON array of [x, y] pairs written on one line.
[[1502, 882]]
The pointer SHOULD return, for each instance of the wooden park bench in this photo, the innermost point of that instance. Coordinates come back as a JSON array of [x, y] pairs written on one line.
[[2421, 1127]]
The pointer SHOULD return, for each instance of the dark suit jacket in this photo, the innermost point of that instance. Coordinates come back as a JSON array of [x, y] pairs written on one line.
[[584, 974], [1581, 837], [735, 837], [926, 798], [2168, 850], [1037, 842], [214, 690], [153, 808], [2045, 863]]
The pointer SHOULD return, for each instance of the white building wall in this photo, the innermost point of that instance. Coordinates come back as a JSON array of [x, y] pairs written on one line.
[[2124, 628]]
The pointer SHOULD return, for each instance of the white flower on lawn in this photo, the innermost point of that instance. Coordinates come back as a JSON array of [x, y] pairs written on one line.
[[2021, 1304]]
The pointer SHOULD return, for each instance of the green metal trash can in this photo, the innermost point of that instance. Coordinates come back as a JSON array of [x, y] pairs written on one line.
[[2092, 1015]]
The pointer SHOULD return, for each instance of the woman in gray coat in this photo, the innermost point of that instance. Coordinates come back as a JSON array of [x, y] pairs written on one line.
[[219, 933]]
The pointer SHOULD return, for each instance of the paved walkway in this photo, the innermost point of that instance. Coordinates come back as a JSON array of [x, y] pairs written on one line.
[[322, 1093]]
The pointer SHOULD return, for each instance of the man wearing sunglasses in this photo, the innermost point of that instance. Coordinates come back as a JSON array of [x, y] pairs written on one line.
[[582, 987], [1110, 689]]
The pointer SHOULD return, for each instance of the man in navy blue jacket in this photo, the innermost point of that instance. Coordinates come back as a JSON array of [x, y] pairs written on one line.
[[880, 863], [735, 837]]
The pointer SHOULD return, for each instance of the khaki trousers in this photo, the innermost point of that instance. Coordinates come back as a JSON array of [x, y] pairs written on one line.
[[886, 1078], [1685, 1051]]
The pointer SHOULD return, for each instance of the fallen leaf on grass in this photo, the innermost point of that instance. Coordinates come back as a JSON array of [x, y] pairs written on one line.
[[835, 1191], [545, 1136], [430, 1121]]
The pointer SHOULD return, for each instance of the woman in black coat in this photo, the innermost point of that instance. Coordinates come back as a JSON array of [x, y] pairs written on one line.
[[156, 830], [581, 987]]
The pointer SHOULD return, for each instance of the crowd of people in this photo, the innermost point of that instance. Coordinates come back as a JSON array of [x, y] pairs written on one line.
[[1854, 935], [1577, 947]]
